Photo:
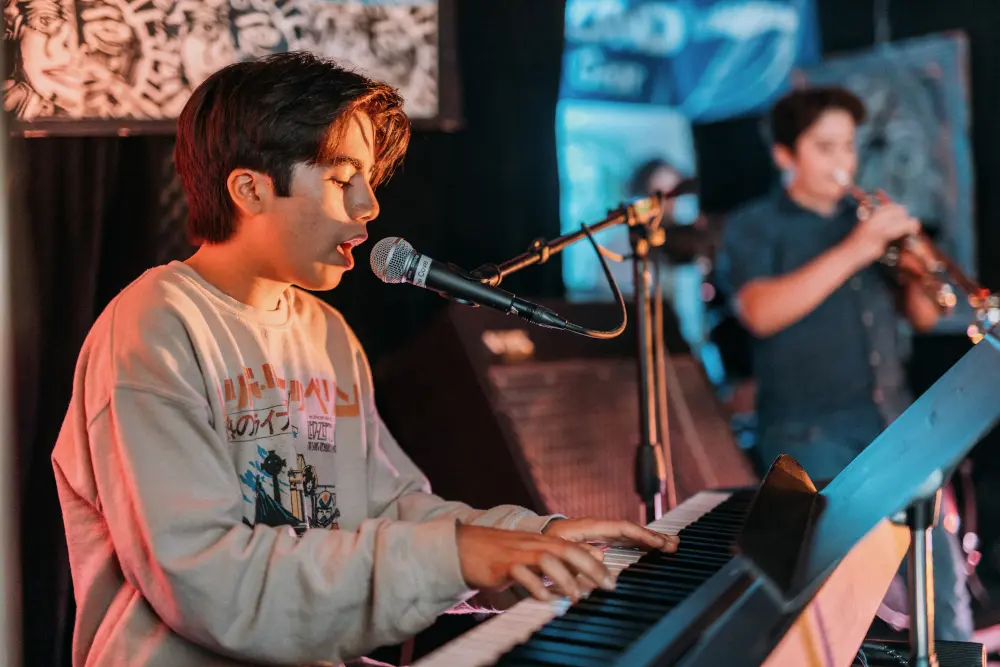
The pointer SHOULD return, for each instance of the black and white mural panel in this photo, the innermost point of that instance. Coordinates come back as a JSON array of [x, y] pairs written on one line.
[[139, 60]]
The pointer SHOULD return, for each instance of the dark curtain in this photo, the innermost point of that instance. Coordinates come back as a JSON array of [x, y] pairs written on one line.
[[483, 193], [90, 219], [93, 213]]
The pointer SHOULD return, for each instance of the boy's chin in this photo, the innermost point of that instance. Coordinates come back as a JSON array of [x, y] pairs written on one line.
[[326, 278]]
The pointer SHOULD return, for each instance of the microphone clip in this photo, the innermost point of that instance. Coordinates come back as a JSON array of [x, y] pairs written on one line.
[[538, 252], [456, 299]]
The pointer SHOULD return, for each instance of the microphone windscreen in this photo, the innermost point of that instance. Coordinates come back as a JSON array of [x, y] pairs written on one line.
[[389, 259]]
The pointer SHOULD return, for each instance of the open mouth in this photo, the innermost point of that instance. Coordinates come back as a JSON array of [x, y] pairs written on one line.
[[346, 248]]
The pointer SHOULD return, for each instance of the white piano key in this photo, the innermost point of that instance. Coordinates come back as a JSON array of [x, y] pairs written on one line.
[[488, 642]]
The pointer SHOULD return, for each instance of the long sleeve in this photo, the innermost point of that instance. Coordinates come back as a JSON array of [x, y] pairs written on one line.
[[401, 491], [172, 506], [147, 458]]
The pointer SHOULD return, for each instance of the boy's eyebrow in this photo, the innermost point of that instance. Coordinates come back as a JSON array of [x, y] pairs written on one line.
[[353, 161], [341, 159]]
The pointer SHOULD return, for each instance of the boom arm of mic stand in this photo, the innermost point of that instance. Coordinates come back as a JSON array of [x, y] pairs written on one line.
[[644, 211], [653, 472]]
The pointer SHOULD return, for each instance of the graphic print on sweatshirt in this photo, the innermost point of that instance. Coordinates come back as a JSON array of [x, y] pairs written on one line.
[[282, 432]]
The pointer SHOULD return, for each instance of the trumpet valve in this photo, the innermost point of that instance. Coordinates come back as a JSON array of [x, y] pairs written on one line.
[[891, 256]]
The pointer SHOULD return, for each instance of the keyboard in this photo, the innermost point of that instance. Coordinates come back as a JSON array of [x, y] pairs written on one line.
[[609, 627]]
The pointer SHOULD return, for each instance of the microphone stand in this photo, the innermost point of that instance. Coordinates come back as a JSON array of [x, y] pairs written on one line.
[[651, 478], [654, 480]]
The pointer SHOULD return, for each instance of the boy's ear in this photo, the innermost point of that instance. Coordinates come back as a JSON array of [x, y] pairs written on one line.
[[250, 190], [783, 157]]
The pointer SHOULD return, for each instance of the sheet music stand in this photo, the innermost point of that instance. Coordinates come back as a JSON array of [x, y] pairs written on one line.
[[921, 517], [898, 477]]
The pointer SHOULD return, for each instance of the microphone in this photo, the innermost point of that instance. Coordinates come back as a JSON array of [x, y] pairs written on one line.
[[394, 260]]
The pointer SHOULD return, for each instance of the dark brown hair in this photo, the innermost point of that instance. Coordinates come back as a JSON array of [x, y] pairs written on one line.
[[269, 114], [797, 111]]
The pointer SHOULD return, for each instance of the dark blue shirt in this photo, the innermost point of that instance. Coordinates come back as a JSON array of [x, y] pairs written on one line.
[[837, 372]]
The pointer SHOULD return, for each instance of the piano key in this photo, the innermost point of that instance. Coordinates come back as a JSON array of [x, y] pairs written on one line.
[[523, 636], [537, 659], [623, 625], [616, 604], [488, 641], [541, 647]]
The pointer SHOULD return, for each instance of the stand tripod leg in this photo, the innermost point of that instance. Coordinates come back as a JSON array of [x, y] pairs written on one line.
[[921, 517]]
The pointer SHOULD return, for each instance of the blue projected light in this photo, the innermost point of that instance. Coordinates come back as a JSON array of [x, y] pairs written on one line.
[[709, 59], [636, 75], [601, 147]]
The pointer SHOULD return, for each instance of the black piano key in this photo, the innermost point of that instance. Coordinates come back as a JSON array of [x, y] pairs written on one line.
[[578, 619], [684, 554], [619, 610], [679, 574], [608, 600], [691, 561], [678, 577], [728, 523], [689, 554], [610, 611], [713, 543], [567, 655], [718, 545], [509, 660], [716, 524], [638, 604], [636, 588], [619, 627], [601, 640], [710, 528], [593, 624], [691, 549], [643, 594], [551, 661], [639, 585], [661, 583], [602, 626], [698, 544], [665, 579], [677, 570], [680, 560], [710, 534], [596, 625]]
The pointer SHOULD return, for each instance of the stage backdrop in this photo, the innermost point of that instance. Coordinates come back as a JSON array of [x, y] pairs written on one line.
[[106, 66], [636, 75], [710, 59], [915, 143]]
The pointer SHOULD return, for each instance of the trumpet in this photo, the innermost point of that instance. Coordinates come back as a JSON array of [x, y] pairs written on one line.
[[939, 275]]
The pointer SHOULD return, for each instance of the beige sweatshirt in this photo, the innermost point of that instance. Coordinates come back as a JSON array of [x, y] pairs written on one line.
[[231, 496]]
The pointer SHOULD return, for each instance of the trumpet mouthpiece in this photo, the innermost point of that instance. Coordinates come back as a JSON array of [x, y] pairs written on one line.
[[840, 176]]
